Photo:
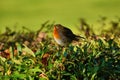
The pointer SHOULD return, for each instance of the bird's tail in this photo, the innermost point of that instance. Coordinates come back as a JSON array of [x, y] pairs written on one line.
[[78, 37]]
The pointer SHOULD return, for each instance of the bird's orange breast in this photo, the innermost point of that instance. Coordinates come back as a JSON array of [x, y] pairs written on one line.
[[56, 33]]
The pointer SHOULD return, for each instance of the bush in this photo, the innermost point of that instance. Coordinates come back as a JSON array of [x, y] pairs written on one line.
[[35, 56]]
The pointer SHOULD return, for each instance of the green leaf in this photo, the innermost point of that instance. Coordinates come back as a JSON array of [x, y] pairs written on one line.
[[73, 77], [37, 69], [28, 51], [18, 75], [2, 58], [19, 48], [93, 76], [16, 61], [11, 52]]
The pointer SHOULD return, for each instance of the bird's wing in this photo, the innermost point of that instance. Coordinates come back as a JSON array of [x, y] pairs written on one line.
[[68, 33]]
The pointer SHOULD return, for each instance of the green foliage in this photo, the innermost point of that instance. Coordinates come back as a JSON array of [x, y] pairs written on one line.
[[26, 55]]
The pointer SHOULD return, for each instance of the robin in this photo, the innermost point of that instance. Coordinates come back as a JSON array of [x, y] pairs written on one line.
[[63, 35]]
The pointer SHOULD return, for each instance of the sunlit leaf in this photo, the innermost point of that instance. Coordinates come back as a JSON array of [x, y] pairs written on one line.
[[2, 58], [28, 51]]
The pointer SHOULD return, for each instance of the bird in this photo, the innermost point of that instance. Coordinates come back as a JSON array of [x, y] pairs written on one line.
[[63, 35]]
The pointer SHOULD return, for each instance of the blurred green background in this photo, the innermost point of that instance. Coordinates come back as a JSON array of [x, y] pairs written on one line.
[[32, 13]]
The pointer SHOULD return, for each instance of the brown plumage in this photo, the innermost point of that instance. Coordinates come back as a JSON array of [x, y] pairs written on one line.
[[63, 35]]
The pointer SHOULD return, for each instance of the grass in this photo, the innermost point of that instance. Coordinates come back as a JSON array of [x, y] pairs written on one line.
[[35, 55], [33, 13]]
